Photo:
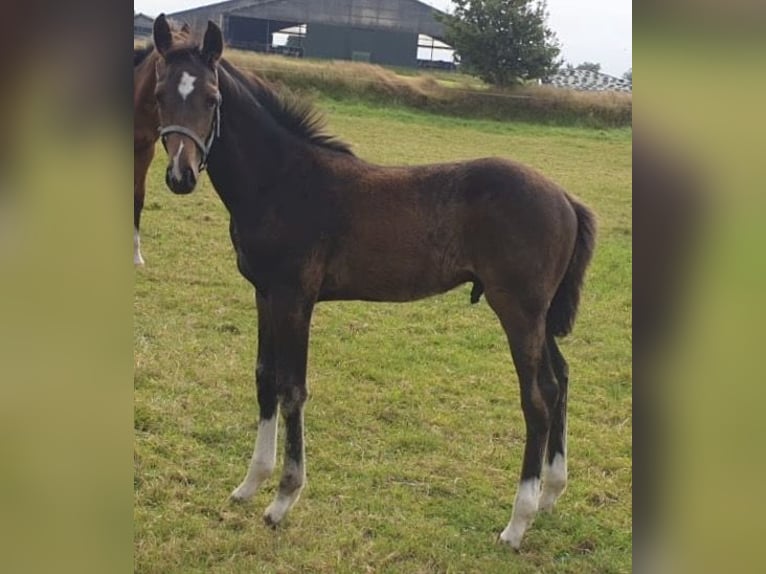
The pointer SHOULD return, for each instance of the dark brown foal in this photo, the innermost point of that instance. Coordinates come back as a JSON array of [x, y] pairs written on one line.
[[311, 222]]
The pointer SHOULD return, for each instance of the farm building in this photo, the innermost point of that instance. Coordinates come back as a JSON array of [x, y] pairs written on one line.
[[378, 31], [142, 25], [589, 81]]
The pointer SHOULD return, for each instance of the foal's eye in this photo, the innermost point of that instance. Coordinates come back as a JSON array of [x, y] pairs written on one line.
[[211, 102], [159, 97]]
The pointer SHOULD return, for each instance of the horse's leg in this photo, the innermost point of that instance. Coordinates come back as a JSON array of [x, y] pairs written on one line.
[[555, 468], [292, 319], [142, 158], [524, 325], [264, 456]]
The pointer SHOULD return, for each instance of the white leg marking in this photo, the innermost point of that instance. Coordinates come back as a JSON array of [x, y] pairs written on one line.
[[554, 481], [524, 510], [293, 477], [284, 502], [186, 85], [137, 259], [176, 169], [263, 461]]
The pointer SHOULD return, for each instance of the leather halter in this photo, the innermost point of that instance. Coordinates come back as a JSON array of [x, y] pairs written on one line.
[[203, 146]]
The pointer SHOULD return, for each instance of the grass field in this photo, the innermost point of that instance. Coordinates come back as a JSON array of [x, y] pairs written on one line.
[[414, 429]]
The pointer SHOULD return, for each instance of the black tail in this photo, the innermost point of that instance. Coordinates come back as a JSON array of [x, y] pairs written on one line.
[[563, 309]]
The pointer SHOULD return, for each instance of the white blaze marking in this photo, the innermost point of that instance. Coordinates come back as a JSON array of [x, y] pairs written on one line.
[[263, 461], [524, 510], [176, 169], [186, 85], [554, 481]]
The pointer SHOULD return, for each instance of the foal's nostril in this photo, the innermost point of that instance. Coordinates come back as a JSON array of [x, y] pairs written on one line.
[[189, 180]]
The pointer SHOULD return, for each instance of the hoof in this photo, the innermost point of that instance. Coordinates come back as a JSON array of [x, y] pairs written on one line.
[[506, 543], [510, 539], [241, 494], [277, 510], [269, 521]]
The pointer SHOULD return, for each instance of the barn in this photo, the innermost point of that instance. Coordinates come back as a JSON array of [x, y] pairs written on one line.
[[142, 25], [589, 81], [388, 32]]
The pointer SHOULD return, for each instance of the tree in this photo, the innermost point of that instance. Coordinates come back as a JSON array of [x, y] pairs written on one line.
[[589, 67], [504, 42], [628, 75]]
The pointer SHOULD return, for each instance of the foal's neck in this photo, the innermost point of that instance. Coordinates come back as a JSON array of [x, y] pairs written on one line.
[[253, 153]]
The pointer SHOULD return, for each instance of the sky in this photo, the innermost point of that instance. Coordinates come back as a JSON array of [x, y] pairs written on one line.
[[599, 31]]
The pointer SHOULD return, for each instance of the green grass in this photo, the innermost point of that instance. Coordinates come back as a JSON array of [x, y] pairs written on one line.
[[414, 430]]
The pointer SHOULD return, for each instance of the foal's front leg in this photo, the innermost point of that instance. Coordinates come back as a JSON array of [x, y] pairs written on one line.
[[265, 453], [292, 319], [142, 158]]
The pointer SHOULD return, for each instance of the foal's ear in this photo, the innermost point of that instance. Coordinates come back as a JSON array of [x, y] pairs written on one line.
[[163, 39], [212, 45]]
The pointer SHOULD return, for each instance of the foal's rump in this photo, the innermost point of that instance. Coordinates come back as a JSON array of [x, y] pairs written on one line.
[[519, 228]]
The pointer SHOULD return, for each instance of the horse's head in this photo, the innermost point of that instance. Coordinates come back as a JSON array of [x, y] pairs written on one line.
[[188, 102]]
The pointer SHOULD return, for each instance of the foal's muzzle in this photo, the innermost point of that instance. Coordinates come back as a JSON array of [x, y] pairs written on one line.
[[181, 186], [188, 177]]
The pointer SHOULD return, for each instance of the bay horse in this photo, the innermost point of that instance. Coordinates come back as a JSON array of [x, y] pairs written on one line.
[[311, 222], [146, 125]]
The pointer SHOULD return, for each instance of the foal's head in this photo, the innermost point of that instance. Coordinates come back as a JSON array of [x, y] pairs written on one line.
[[188, 102]]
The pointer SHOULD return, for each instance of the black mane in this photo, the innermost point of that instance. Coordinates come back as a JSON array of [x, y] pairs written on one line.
[[295, 115]]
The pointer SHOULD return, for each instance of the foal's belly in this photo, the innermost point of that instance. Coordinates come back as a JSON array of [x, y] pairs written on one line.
[[399, 295], [394, 280]]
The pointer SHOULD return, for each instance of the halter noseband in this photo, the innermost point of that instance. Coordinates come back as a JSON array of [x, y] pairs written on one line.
[[203, 146]]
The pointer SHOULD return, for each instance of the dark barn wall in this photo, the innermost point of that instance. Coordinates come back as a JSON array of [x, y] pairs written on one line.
[[247, 30], [388, 47], [239, 30]]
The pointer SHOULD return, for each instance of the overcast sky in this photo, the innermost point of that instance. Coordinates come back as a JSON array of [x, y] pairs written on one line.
[[589, 30]]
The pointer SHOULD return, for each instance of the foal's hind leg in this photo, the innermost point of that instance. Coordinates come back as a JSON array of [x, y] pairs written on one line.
[[292, 319], [555, 468], [265, 452], [524, 326]]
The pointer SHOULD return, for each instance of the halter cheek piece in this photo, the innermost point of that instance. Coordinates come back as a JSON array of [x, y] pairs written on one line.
[[203, 146]]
